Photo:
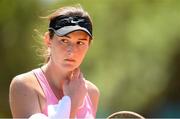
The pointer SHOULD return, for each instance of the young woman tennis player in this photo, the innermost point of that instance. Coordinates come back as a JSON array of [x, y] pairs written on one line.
[[58, 88]]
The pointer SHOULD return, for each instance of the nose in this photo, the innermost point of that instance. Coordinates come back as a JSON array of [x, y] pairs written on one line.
[[70, 49]]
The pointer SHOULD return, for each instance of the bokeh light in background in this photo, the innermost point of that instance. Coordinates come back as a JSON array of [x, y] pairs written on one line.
[[134, 58]]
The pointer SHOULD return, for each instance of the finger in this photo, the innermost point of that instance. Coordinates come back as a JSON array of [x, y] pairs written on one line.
[[70, 75], [83, 80], [76, 73], [65, 87], [81, 77]]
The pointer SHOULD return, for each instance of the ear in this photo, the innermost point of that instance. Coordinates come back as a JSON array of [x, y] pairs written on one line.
[[90, 41], [47, 39]]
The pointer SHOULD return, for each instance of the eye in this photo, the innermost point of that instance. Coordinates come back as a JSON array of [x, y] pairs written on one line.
[[64, 40], [80, 43]]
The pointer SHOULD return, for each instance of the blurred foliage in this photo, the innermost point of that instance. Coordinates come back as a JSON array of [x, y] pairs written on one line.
[[134, 57], [16, 52]]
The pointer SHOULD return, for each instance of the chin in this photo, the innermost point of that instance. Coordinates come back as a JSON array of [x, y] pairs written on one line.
[[68, 67]]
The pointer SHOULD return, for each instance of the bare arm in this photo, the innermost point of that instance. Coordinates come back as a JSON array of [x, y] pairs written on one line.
[[23, 99]]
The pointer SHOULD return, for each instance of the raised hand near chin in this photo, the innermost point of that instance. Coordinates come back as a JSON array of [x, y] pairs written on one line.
[[75, 87]]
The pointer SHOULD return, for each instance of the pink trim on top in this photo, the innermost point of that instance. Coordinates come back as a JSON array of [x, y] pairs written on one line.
[[50, 97]]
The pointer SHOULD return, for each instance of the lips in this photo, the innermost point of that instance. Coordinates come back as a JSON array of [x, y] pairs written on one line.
[[70, 60]]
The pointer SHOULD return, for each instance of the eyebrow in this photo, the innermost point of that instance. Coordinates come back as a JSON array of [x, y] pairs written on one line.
[[83, 39]]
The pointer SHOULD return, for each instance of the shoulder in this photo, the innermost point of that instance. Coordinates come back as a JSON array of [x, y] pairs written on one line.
[[24, 80], [92, 89], [21, 90], [21, 86]]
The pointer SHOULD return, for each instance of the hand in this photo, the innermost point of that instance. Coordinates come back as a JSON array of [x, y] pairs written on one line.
[[76, 88]]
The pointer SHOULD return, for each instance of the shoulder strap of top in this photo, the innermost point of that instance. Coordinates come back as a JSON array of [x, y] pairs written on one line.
[[50, 97], [86, 109]]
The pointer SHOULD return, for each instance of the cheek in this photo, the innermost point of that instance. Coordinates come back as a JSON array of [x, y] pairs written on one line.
[[82, 54], [57, 52]]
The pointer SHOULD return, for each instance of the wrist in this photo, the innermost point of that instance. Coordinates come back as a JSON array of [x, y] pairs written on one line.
[[73, 113]]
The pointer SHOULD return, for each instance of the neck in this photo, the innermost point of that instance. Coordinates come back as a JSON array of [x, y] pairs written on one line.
[[55, 75]]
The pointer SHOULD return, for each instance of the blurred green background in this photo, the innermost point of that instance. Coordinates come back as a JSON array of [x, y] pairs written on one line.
[[134, 58]]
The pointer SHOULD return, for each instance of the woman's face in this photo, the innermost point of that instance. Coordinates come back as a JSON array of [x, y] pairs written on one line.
[[67, 52]]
